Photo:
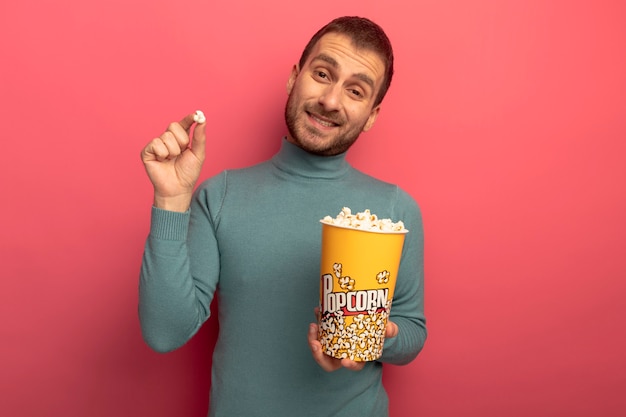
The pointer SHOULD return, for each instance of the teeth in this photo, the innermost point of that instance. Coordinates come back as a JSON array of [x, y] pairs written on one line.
[[323, 122]]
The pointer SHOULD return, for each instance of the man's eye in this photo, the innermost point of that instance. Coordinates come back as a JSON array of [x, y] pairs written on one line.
[[356, 93], [322, 74]]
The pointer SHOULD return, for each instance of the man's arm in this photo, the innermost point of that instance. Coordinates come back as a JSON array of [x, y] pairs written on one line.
[[407, 309], [172, 302]]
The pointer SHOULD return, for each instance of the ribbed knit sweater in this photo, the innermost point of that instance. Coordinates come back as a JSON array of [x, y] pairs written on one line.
[[252, 238]]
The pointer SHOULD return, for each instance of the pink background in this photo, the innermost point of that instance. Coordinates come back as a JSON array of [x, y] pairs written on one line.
[[506, 121]]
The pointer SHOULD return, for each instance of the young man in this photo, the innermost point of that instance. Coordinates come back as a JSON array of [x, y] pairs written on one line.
[[262, 259]]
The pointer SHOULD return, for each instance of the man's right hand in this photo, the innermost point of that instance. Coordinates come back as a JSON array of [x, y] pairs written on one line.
[[173, 164]]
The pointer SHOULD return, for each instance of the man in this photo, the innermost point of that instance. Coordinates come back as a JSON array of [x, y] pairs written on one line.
[[252, 237]]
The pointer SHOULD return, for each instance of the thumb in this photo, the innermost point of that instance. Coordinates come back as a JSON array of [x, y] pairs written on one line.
[[391, 330], [198, 144]]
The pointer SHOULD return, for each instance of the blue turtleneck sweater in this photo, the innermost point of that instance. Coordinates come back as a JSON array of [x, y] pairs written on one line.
[[252, 239]]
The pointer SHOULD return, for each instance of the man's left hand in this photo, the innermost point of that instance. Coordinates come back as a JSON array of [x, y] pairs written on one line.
[[330, 364]]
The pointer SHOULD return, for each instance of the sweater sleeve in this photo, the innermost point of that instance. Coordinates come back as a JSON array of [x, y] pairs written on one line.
[[407, 310], [179, 273]]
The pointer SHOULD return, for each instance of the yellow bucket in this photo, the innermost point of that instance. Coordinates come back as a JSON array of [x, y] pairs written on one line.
[[358, 270]]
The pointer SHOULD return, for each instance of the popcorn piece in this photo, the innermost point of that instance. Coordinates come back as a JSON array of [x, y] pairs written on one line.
[[346, 283], [199, 117], [364, 221], [382, 277]]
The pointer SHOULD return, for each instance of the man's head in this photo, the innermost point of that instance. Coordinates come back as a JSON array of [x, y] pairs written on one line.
[[364, 34], [336, 89]]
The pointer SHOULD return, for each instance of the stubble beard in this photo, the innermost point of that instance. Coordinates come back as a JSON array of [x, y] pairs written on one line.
[[307, 137]]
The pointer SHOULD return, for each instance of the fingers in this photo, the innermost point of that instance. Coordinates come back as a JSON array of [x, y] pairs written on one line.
[[391, 330], [182, 129], [323, 360], [155, 150], [187, 121], [167, 146], [176, 137], [316, 311], [175, 140], [352, 365]]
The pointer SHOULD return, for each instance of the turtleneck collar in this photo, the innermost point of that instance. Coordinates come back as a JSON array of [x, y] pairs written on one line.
[[296, 161]]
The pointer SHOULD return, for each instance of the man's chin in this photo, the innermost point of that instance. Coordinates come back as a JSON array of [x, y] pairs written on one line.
[[310, 141], [314, 147], [323, 149], [319, 143]]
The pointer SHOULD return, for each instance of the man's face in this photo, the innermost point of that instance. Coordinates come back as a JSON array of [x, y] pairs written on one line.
[[331, 97]]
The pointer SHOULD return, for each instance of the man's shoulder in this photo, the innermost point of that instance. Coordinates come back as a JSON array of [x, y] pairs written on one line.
[[231, 174]]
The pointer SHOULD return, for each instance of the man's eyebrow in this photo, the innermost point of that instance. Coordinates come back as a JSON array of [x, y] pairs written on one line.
[[328, 59], [333, 63]]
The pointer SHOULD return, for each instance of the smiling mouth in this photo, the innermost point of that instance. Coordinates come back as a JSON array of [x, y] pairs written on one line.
[[323, 122]]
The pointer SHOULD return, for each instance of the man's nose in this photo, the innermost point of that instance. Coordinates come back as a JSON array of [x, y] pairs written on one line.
[[331, 97]]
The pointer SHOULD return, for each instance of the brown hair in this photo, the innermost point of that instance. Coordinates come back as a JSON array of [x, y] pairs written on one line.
[[364, 34]]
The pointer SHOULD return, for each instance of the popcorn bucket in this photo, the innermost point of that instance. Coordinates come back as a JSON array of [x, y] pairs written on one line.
[[358, 276]]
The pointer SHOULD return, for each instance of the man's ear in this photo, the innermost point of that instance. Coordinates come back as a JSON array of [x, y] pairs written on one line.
[[371, 119], [292, 78]]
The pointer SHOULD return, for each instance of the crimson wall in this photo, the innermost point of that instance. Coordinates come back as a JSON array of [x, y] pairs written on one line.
[[506, 121]]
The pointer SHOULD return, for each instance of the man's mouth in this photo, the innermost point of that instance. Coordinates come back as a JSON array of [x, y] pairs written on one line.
[[322, 121]]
